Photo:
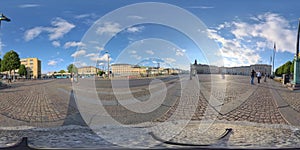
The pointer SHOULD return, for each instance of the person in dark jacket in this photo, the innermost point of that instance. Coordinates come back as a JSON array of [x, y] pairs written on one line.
[[253, 73]]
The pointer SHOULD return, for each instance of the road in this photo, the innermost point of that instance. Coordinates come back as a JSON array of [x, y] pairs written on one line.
[[51, 102]]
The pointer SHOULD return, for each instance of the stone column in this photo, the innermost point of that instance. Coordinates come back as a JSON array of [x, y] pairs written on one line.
[[296, 71]]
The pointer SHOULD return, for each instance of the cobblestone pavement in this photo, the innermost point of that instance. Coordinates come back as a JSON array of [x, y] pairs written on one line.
[[47, 101], [232, 101], [37, 102], [258, 106]]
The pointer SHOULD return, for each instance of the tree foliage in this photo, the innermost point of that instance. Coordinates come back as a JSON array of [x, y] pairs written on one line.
[[62, 71], [100, 72], [11, 61], [22, 70], [286, 68], [72, 68]]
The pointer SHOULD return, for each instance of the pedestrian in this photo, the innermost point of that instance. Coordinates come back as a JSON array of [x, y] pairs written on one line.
[[258, 75], [252, 76], [265, 77], [9, 79]]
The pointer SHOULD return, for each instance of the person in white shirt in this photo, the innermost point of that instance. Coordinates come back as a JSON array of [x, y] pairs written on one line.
[[258, 75]]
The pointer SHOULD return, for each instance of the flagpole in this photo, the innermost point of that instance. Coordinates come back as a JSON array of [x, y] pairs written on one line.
[[274, 59]]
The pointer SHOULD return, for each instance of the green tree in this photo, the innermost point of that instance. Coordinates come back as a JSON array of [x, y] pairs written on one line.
[[286, 67], [22, 70], [11, 61], [72, 69], [62, 71], [100, 72], [0, 65]]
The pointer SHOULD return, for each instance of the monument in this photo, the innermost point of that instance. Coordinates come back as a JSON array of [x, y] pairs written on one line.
[[296, 81]]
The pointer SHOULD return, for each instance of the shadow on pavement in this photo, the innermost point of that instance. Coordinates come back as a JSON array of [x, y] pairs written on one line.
[[73, 118]]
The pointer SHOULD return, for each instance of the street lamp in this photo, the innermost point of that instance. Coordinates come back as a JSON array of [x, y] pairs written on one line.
[[4, 18], [108, 73]]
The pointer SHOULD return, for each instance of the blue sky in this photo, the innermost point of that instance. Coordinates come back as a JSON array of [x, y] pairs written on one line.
[[230, 33]]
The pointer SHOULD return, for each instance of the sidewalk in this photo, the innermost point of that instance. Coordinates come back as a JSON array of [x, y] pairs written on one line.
[[286, 109]]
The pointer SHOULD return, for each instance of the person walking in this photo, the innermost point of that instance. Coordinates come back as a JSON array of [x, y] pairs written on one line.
[[258, 74], [252, 76]]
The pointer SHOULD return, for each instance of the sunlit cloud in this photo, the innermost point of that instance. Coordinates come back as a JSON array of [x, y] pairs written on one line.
[[134, 29], [56, 43], [54, 62], [150, 52], [135, 17], [249, 38], [73, 44], [59, 28], [109, 28], [78, 53], [28, 5]]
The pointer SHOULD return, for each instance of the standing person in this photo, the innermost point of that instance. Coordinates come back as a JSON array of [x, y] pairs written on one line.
[[252, 76], [258, 74]]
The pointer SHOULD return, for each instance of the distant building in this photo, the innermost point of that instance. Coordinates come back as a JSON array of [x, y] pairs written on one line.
[[206, 69], [126, 70], [88, 71], [241, 70], [33, 67]]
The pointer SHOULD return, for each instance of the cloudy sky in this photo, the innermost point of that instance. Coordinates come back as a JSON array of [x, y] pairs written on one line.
[[65, 32]]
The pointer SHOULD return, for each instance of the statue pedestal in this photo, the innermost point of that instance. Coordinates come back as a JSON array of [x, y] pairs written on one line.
[[295, 85]]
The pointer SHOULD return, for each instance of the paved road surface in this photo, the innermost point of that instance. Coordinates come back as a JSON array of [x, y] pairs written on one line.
[[51, 102]]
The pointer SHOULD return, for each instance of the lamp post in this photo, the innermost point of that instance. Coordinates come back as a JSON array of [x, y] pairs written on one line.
[[296, 81], [3, 18], [108, 73]]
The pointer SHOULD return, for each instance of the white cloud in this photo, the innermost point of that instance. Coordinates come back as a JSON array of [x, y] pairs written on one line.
[[249, 38], [150, 52], [83, 16], [134, 29], [179, 52], [98, 48], [56, 43], [135, 17], [103, 58], [78, 53], [79, 64], [33, 33], [136, 57], [132, 52], [202, 7], [91, 55], [54, 62], [59, 28], [28, 5], [109, 28], [170, 60], [271, 28], [73, 44], [233, 52]]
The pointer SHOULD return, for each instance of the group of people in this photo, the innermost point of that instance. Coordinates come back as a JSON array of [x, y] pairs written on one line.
[[257, 74]]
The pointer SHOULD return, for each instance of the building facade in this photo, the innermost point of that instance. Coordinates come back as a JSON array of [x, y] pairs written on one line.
[[33, 67], [206, 69], [241, 70], [88, 71], [127, 70]]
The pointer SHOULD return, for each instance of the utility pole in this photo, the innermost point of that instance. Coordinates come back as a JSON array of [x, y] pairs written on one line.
[[108, 73]]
